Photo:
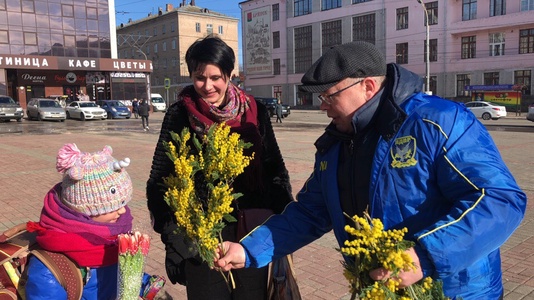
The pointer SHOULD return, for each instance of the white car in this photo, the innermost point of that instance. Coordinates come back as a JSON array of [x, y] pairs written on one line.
[[530, 114], [85, 110], [486, 110]]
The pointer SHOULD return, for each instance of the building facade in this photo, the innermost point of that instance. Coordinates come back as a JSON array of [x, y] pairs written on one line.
[[165, 37], [50, 47], [472, 43]]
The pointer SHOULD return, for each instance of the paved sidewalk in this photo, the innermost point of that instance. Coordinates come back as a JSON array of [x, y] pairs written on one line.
[[28, 172]]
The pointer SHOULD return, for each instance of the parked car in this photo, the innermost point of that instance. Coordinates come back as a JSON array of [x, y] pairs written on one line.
[[158, 103], [530, 114], [270, 103], [9, 109], [486, 110], [115, 109], [45, 109], [85, 110]]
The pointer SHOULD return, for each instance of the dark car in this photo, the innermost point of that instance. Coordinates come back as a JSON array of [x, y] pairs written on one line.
[[9, 109], [270, 103], [115, 109]]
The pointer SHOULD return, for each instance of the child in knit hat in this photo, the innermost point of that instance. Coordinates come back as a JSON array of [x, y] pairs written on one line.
[[81, 218]]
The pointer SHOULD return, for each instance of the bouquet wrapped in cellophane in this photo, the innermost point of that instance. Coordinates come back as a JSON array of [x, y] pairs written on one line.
[[373, 247], [214, 162], [133, 249]]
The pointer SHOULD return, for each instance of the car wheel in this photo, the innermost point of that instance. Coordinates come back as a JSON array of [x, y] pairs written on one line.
[[19, 120], [486, 116], [67, 114], [127, 118], [39, 117], [109, 116], [82, 117], [62, 120]]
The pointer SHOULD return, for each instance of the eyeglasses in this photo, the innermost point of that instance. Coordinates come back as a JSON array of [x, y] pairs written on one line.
[[328, 98]]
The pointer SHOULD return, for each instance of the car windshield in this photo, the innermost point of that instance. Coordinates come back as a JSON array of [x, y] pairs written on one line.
[[6, 100], [50, 104], [87, 104], [157, 100]]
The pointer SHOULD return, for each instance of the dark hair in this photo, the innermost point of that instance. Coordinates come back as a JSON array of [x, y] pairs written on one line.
[[210, 50]]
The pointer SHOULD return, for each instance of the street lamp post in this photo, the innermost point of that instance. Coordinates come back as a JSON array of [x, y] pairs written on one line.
[[147, 77], [427, 54]]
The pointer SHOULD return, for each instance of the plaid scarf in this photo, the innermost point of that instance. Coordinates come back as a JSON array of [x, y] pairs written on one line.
[[240, 113]]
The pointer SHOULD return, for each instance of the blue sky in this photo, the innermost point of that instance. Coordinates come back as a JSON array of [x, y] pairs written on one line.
[[137, 9]]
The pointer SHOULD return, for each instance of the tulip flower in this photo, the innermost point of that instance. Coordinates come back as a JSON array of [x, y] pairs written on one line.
[[133, 249]]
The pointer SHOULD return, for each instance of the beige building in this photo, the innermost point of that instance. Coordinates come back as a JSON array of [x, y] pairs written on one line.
[[165, 37]]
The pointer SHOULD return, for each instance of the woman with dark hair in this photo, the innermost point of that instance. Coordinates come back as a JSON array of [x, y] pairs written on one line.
[[211, 99]]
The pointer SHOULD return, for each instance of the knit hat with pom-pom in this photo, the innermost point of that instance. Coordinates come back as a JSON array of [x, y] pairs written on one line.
[[93, 183]]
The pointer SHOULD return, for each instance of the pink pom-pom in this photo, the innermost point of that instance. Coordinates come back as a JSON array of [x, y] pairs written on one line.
[[67, 157]]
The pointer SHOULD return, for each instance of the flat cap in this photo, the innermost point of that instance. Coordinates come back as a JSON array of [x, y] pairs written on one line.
[[354, 59]]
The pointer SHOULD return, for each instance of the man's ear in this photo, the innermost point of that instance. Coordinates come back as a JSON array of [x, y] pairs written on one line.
[[371, 87]]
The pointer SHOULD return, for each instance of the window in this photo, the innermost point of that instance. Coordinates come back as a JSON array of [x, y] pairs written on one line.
[[209, 28], [30, 38], [526, 41], [402, 53], [173, 44], [173, 27], [497, 8], [469, 10], [147, 50], [432, 10], [174, 62], [462, 80], [402, 18], [155, 31], [303, 49], [491, 78], [164, 46], [221, 29], [276, 66], [302, 7], [496, 44], [163, 29], [197, 27], [276, 39], [363, 28], [469, 47], [434, 85], [276, 12], [433, 47], [523, 77], [359, 1], [4, 37], [527, 5], [330, 4], [27, 6], [164, 63], [331, 34], [156, 48]]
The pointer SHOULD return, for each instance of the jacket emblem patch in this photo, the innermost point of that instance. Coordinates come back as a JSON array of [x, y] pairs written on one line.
[[322, 166], [403, 152]]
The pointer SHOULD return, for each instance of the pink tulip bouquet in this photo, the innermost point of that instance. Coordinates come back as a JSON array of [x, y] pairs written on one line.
[[133, 249]]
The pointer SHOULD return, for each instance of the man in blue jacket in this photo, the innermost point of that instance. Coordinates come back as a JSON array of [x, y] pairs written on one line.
[[411, 160]]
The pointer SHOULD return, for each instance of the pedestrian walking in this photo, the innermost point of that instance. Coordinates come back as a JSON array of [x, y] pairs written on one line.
[[135, 107], [144, 111], [278, 109], [413, 161]]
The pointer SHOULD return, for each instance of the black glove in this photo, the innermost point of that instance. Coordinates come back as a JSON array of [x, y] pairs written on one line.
[[177, 251]]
